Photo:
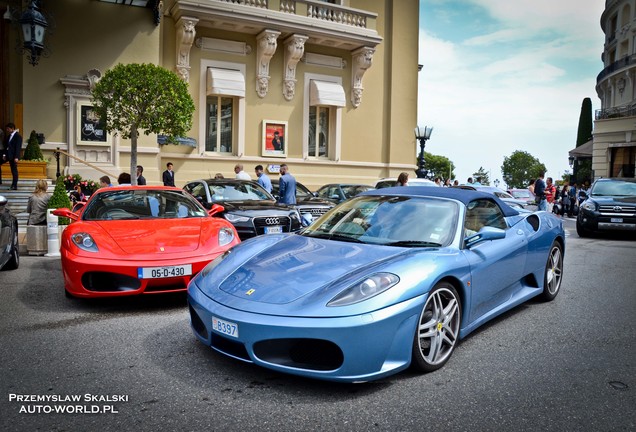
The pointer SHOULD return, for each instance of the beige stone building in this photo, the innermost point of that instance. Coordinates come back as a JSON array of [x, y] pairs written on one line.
[[338, 79], [614, 145]]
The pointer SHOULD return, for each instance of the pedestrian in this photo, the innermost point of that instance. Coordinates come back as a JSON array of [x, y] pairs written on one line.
[[403, 179], [168, 175], [38, 203], [124, 179], [447, 183], [565, 200], [141, 180], [469, 181], [477, 181], [573, 202], [456, 182], [263, 179], [438, 181], [77, 195], [12, 153], [218, 176], [104, 181], [531, 186], [539, 193], [286, 186], [550, 194], [240, 174]]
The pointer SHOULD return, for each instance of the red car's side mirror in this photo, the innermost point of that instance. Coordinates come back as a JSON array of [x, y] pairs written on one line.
[[215, 209], [64, 212]]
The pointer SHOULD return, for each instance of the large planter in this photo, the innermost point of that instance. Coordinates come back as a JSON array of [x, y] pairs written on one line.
[[26, 170]]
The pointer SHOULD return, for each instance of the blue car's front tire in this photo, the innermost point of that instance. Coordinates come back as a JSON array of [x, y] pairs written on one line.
[[437, 332]]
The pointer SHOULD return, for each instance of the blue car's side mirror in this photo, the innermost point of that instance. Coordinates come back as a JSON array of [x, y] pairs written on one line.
[[486, 233]]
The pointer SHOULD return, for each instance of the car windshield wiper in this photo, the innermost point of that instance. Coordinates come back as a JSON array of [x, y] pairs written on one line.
[[346, 238], [413, 243]]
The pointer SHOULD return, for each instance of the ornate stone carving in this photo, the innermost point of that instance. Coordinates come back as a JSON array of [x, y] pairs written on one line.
[[294, 49], [361, 59], [185, 37], [93, 76], [266, 47]]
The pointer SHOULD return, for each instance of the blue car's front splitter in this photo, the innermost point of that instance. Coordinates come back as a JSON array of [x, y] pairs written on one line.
[[349, 349]]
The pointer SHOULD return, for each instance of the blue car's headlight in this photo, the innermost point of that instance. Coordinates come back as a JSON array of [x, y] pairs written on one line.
[[85, 242], [226, 236], [365, 289], [211, 266], [589, 205], [236, 218]]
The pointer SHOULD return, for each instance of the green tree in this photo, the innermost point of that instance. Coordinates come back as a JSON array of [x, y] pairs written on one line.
[[483, 176], [136, 97], [33, 151], [439, 166], [520, 168], [60, 199], [585, 123]]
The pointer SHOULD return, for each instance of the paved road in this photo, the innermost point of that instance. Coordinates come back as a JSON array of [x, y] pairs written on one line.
[[569, 365]]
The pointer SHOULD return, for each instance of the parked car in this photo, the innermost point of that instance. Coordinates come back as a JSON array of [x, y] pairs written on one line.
[[131, 240], [390, 278], [308, 204], [390, 182], [250, 208], [523, 194], [338, 192], [9, 247], [610, 206], [501, 194]]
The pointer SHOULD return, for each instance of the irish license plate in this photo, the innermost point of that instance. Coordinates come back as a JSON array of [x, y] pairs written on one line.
[[616, 220], [273, 230], [225, 327], [164, 272]]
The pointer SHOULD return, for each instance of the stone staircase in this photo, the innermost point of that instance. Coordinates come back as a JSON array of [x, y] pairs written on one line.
[[17, 203]]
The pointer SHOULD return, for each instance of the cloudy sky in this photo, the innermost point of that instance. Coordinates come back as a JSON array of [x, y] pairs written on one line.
[[506, 75]]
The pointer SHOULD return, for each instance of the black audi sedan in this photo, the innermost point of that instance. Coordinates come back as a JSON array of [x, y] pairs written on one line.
[[9, 248], [249, 207], [307, 203], [610, 206]]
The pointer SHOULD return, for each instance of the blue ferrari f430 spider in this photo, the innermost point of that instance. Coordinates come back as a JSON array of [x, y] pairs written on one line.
[[392, 278]]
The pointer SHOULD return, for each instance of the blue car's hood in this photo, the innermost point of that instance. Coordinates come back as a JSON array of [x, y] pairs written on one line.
[[297, 266]]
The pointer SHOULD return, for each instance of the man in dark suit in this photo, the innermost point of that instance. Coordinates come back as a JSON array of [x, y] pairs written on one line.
[[168, 175], [141, 180], [12, 152]]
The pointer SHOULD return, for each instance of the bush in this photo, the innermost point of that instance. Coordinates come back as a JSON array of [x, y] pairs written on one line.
[[33, 152], [60, 199]]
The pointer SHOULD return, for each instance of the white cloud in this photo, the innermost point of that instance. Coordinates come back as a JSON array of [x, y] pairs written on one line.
[[486, 100]]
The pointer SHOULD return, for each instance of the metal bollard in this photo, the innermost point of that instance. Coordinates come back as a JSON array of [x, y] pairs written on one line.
[[53, 236]]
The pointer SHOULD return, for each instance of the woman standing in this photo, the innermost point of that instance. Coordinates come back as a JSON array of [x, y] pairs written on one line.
[[38, 203], [403, 179]]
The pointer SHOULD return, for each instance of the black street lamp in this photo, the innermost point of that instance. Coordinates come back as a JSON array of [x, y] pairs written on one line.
[[496, 183], [422, 134], [33, 29]]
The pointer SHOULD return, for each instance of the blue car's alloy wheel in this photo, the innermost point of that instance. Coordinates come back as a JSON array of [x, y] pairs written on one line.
[[438, 328], [553, 273]]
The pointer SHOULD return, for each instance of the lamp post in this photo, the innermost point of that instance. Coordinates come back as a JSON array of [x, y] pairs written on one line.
[[422, 134], [33, 29], [496, 183]]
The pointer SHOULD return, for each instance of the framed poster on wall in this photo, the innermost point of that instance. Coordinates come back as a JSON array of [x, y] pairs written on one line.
[[91, 129], [274, 138]]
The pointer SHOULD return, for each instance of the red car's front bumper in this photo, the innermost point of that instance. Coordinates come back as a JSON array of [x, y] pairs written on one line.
[[99, 277]]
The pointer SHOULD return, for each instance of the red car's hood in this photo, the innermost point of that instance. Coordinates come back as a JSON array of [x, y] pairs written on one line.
[[167, 235]]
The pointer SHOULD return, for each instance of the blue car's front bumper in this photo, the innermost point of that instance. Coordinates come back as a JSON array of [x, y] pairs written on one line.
[[349, 349]]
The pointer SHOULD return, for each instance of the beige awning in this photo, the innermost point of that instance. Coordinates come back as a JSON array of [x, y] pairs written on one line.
[[225, 82], [582, 151], [326, 93]]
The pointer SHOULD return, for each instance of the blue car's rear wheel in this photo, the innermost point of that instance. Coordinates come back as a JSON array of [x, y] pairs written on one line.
[[437, 331], [553, 273]]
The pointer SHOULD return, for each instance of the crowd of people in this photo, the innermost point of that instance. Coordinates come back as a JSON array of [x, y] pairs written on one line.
[[561, 200]]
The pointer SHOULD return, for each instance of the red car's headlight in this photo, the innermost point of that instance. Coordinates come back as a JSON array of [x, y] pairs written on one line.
[[85, 242], [226, 236]]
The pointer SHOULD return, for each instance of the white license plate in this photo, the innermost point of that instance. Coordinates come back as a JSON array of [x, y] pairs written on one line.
[[225, 327], [273, 230], [616, 220], [164, 272]]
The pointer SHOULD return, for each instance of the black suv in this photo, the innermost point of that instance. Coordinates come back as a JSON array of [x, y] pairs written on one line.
[[610, 206], [307, 203], [249, 207]]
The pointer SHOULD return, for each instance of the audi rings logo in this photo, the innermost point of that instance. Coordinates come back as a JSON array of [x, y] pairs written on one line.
[[617, 209], [272, 221]]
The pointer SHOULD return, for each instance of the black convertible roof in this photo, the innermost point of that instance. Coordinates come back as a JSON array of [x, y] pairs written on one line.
[[463, 195]]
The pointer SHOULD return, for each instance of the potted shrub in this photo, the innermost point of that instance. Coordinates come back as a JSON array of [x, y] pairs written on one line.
[[60, 199], [32, 164]]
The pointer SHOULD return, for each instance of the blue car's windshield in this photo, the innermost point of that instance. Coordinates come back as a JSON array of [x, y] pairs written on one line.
[[386, 220], [135, 203]]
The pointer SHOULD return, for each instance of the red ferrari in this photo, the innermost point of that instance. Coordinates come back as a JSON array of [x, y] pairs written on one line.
[[131, 240]]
